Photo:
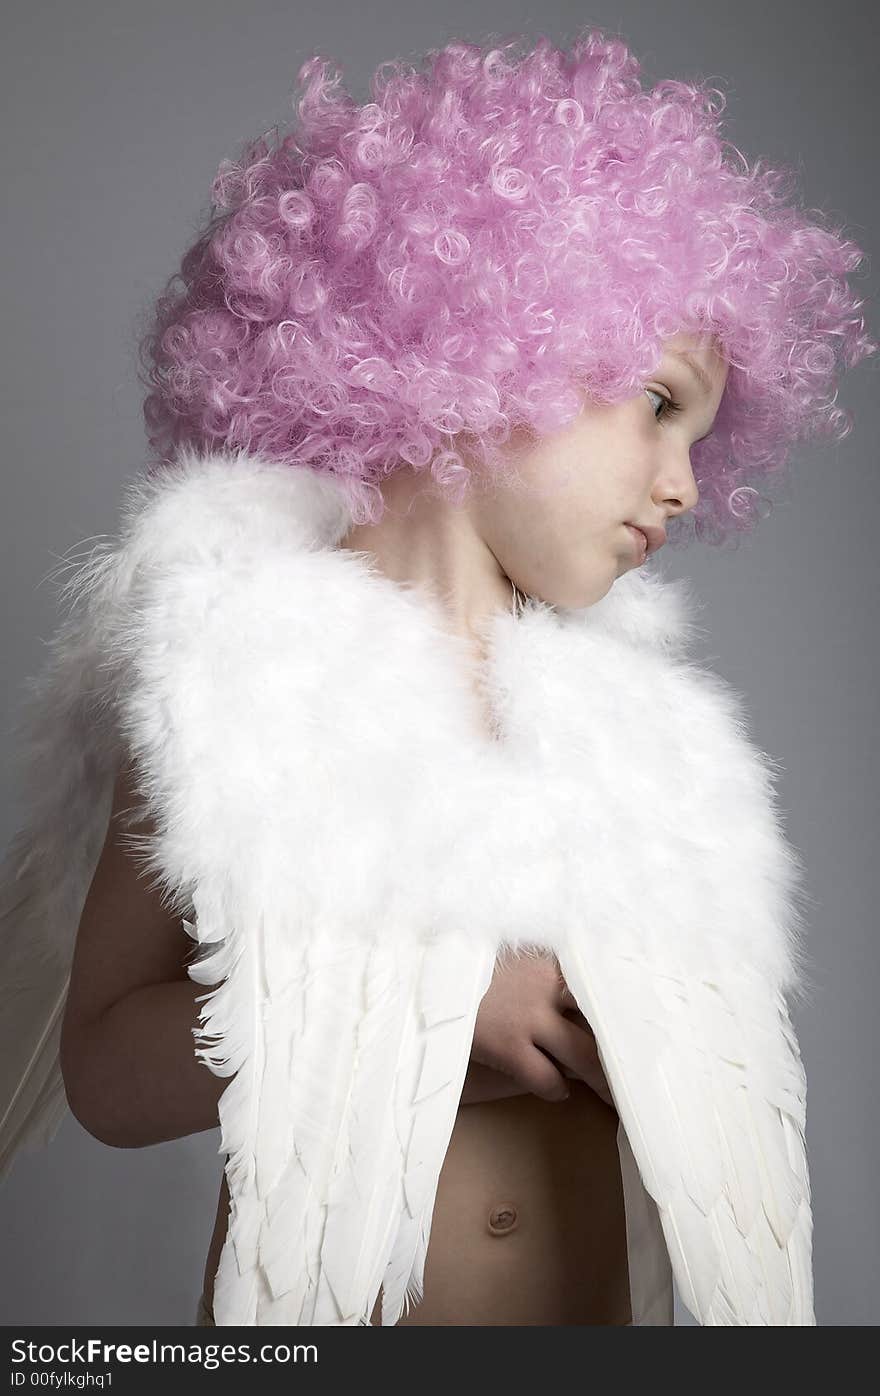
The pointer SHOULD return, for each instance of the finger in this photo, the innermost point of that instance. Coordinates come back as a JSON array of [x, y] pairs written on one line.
[[542, 1078], [575, 1047], [531, 1070]]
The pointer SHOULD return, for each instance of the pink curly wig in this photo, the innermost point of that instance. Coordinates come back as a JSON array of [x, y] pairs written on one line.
[[479, 245]]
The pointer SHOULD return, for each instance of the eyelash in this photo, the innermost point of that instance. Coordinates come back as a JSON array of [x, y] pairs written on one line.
[[670, 404]]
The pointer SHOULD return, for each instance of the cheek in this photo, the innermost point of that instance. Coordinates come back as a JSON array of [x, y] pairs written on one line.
[[586, 562], [629, 477]]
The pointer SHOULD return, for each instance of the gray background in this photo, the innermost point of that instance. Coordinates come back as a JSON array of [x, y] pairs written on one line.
[[117, 115]]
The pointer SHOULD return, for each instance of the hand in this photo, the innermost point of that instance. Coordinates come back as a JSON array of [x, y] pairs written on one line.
[[530, 1029]]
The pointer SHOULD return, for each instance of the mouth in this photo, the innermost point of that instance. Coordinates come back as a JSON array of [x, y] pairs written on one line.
[[639, 542], [647, 539]]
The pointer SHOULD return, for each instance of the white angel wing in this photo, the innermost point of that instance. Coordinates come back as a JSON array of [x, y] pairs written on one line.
[[338, 1127], [454, 976], [708, 1082], [32, 1098], [67, 750]]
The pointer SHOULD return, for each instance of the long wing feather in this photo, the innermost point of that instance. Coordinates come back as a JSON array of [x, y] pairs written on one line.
[[360, 1050], [454, 977], [710, 1089]]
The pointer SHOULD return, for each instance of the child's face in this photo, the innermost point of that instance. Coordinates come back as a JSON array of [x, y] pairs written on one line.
[[561, 534]]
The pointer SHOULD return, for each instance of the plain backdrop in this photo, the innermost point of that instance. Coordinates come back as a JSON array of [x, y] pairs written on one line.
[[116, 118]]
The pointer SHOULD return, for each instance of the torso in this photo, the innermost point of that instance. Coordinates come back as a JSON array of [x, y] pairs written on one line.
[[528, 1224]]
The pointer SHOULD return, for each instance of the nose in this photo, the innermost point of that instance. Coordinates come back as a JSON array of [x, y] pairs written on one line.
[[676, 489]]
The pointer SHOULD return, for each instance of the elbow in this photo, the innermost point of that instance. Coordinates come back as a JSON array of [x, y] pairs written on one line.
[[86, 1108], [81, 1100], [86, 1094], [81, 1105]]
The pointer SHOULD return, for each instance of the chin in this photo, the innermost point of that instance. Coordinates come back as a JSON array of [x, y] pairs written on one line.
[[578, 598]]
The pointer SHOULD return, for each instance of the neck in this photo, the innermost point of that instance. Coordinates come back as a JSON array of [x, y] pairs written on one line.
[[424, 540]]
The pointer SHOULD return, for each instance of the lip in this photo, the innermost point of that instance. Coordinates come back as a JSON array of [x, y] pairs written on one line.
[[648, 539], [640, 541]]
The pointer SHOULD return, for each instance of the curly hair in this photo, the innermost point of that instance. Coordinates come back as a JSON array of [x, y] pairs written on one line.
[[495, 234]]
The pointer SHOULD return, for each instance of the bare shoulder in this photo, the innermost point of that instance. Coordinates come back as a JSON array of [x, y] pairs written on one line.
[[126, 937]]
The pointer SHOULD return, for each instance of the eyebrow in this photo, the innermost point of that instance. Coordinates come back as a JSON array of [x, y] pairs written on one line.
[[699, 373], [701, 376]]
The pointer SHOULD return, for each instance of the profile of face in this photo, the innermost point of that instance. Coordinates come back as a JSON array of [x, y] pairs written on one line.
[[559, 528]]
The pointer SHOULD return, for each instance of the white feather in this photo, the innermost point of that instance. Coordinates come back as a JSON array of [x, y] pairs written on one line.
[[716, 1150], [352, 852], [454, 976], [64, 745]]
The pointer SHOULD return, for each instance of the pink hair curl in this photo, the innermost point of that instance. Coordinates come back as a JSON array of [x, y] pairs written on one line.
[[453, 258]]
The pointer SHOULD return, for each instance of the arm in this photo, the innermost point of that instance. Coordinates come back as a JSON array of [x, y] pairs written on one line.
[[127, 1052], [133, 1078]]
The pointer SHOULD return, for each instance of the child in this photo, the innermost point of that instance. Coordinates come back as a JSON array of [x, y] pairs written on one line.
[[497, 919]]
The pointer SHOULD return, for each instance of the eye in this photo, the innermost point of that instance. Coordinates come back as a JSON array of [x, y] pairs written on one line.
[[668, 405]]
